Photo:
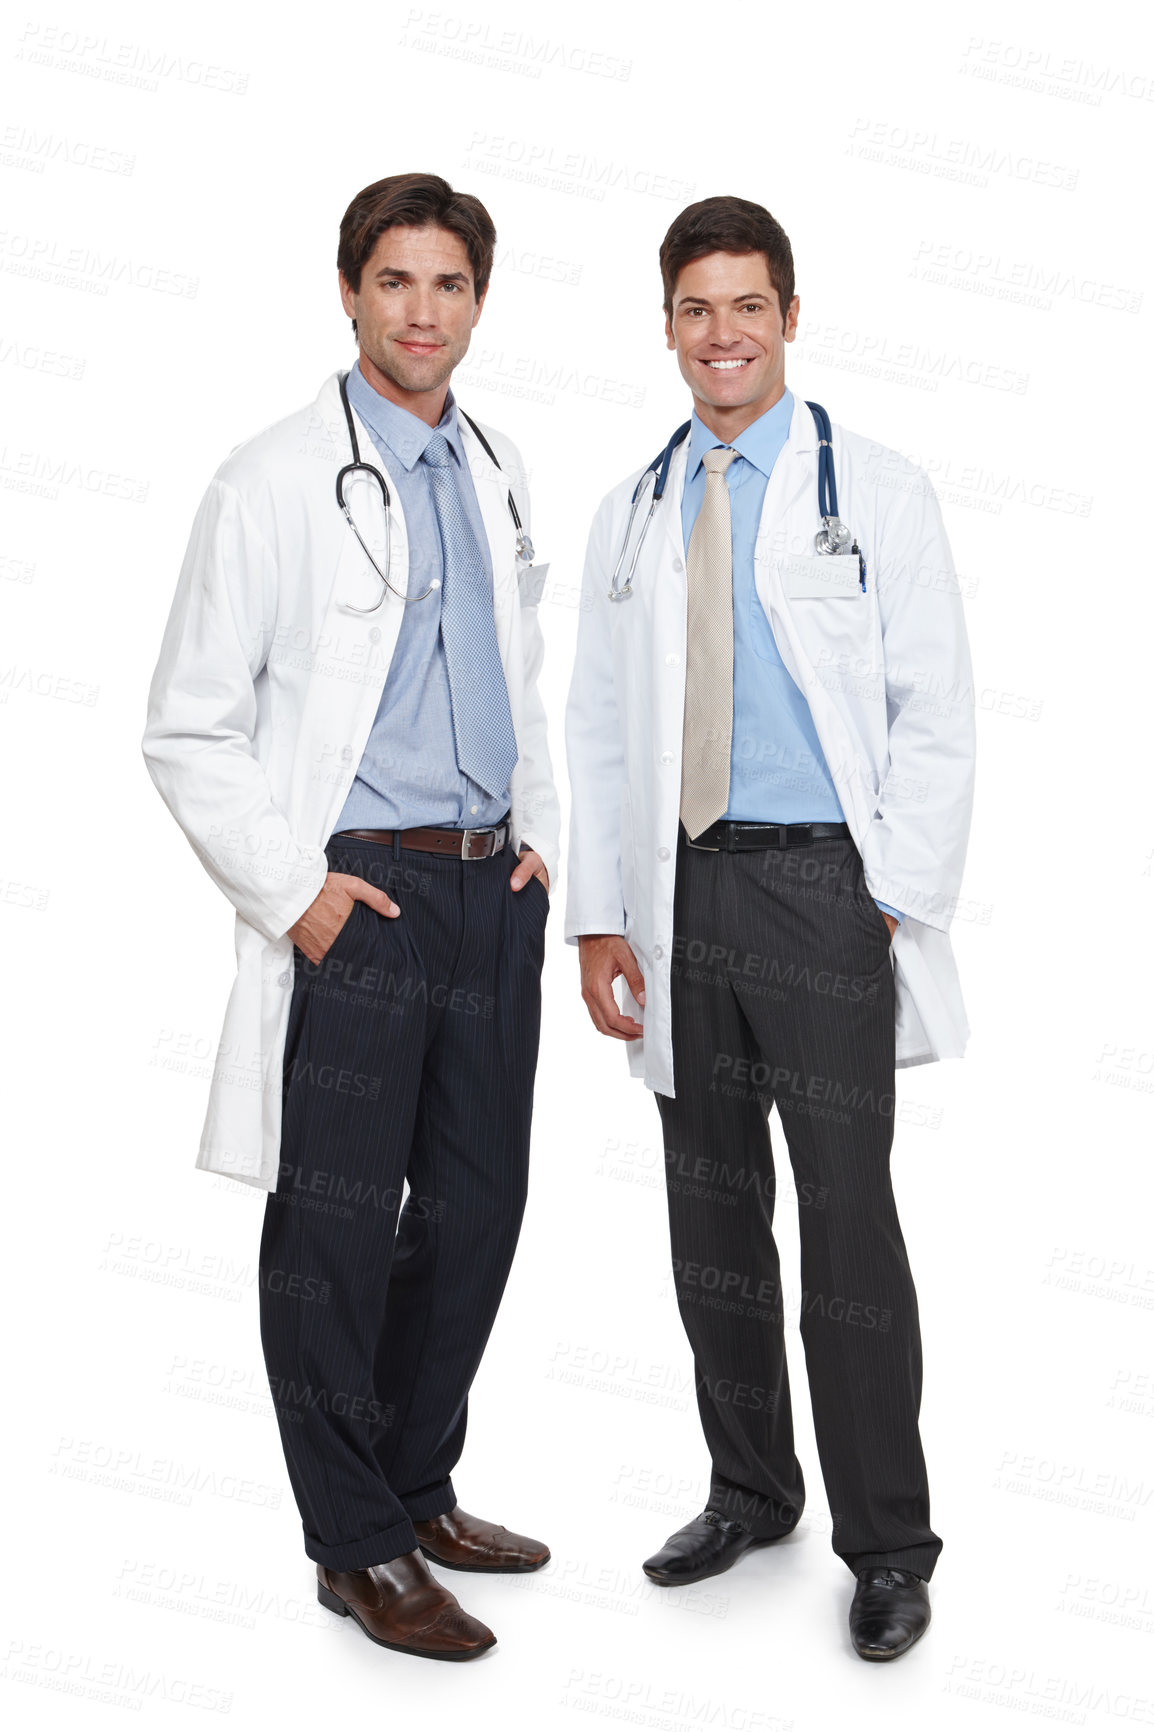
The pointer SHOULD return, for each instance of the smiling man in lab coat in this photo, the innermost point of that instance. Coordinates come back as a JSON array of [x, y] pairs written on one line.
[[771, 752], [345, 722]]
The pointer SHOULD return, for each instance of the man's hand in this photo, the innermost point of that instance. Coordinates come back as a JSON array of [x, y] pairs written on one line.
[[318, 926], [890, 921], [532, 866], [603, 957]]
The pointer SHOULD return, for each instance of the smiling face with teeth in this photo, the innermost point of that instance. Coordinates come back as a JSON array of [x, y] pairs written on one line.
[[727, 328]]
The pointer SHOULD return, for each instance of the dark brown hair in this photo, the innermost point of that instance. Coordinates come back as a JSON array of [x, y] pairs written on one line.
[[727, 225], [415, 201]]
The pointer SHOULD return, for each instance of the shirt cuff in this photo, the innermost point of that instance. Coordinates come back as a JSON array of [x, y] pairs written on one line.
[[896, 912]]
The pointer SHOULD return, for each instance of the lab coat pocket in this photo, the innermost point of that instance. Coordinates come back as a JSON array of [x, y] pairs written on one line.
[[839, 627]]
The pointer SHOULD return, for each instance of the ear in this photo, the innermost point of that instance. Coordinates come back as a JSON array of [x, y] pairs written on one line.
[[477, 308], [669, 340], [348, 298], [791, 320]]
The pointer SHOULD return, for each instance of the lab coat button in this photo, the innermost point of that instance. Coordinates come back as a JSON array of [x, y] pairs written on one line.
[[667, 757], [673, 661], [284, 980], [375, 634], [658, 953], [678, 566], [663, 853]]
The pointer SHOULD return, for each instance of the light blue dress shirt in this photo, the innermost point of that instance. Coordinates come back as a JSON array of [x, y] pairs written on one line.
[[777, 769], [408, 773]]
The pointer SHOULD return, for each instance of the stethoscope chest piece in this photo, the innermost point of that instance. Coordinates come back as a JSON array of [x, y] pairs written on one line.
[[833, 537]]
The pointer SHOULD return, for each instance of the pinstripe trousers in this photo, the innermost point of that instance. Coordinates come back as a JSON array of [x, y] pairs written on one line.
[[409, 1060], [782, 992]]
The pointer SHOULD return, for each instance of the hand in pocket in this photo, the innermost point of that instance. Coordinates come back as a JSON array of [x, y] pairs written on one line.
[[320, 925]]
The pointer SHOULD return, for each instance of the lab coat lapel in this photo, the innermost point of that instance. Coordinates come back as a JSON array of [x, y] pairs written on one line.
[[791, 491], [669, 586], [674, 542], [789, 521]]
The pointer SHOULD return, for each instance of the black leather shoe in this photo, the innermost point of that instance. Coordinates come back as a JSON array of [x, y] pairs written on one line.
[[891, 1609], [703, 1547]]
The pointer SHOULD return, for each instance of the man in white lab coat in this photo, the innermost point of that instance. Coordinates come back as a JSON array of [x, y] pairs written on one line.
[[345, 722], [770, 741]]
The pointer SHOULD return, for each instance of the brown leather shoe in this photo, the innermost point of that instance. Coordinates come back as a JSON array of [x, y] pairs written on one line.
[[401, 1605], [465, 1542]]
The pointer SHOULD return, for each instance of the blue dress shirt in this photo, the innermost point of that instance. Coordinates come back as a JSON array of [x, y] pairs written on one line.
[[777, 769], [408, 774]]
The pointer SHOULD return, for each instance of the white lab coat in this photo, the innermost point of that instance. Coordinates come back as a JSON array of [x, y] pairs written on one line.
[[888, 680], [264, 697]]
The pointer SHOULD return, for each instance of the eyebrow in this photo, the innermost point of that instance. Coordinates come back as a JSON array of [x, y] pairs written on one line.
[[442, 276], [700, 301]]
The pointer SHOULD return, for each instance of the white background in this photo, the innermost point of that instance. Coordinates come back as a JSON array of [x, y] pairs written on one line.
[[966, 195]]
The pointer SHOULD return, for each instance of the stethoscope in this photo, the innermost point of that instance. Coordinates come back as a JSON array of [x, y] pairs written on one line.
[[833, 537], [524, 545]]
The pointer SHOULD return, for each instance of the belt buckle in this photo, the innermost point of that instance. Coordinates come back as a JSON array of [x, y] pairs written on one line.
[[703, 846], [489, 830]]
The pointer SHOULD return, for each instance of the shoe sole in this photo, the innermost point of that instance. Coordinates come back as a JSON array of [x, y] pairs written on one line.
[[703, 1575], [333, 1603], [485, 1569]]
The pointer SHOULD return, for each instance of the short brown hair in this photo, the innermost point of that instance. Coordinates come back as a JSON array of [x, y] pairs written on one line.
[[727, 225], [415, 201]]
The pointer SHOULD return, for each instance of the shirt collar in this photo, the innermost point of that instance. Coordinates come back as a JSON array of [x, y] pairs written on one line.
[[405, 434], [759, 444]]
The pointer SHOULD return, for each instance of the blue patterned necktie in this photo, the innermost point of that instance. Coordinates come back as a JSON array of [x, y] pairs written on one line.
[[482, 720]]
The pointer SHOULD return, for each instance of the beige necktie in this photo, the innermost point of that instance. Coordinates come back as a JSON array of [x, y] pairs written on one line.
[[708, 731]]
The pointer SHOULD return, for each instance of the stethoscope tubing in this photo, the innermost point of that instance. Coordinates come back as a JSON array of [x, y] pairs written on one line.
[[357, 467], [659, 469]]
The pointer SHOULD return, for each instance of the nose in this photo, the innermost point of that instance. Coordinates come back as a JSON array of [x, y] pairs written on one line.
[[724, 333], [422, 310]]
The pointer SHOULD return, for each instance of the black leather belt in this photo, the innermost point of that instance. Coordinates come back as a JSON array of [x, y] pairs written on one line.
[[732, 835], [462, 844]]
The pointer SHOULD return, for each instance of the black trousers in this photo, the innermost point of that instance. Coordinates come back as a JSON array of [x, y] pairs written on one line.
[[409, 1059], [782, 991]]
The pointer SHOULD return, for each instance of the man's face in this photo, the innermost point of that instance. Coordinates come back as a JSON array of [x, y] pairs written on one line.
[[415, 309], [726, 327]]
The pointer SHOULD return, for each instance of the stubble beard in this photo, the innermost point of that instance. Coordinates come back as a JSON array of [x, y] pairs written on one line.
[[416, 373]]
